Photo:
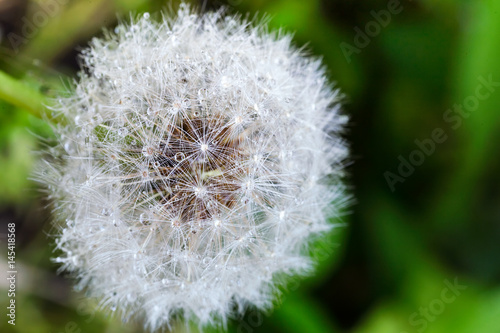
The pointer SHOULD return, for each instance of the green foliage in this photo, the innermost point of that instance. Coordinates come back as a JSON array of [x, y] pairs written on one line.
[[401, 247]]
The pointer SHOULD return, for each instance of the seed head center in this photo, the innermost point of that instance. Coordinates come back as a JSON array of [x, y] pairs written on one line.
[[191, 183]]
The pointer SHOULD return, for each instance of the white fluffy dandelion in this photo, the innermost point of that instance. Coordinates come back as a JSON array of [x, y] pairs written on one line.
[[199, 155]]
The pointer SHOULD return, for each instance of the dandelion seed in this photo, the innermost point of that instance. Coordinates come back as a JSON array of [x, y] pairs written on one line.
[[214, 147]]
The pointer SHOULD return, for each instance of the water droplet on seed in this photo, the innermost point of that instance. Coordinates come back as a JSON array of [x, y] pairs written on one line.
[[179, 157], [225, 81], [148, 151], [123, 131], [131, 297]]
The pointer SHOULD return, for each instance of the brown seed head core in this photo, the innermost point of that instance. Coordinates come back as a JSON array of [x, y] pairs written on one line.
[[197, 166]]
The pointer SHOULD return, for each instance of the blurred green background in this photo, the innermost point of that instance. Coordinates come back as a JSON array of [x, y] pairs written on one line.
[[421, 250]]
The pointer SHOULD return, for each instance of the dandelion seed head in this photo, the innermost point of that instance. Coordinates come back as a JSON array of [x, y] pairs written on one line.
[[200, 157]]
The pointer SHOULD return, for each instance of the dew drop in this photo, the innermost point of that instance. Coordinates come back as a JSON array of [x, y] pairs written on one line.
[[146, 16], [123, 131], [131, 297], [225, 81], [238, 120], [148, 151], [202, 94], [179, 157], [97, 119], [68, 146]]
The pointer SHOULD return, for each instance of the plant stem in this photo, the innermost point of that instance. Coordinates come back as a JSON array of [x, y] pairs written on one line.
[[21, 95]]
